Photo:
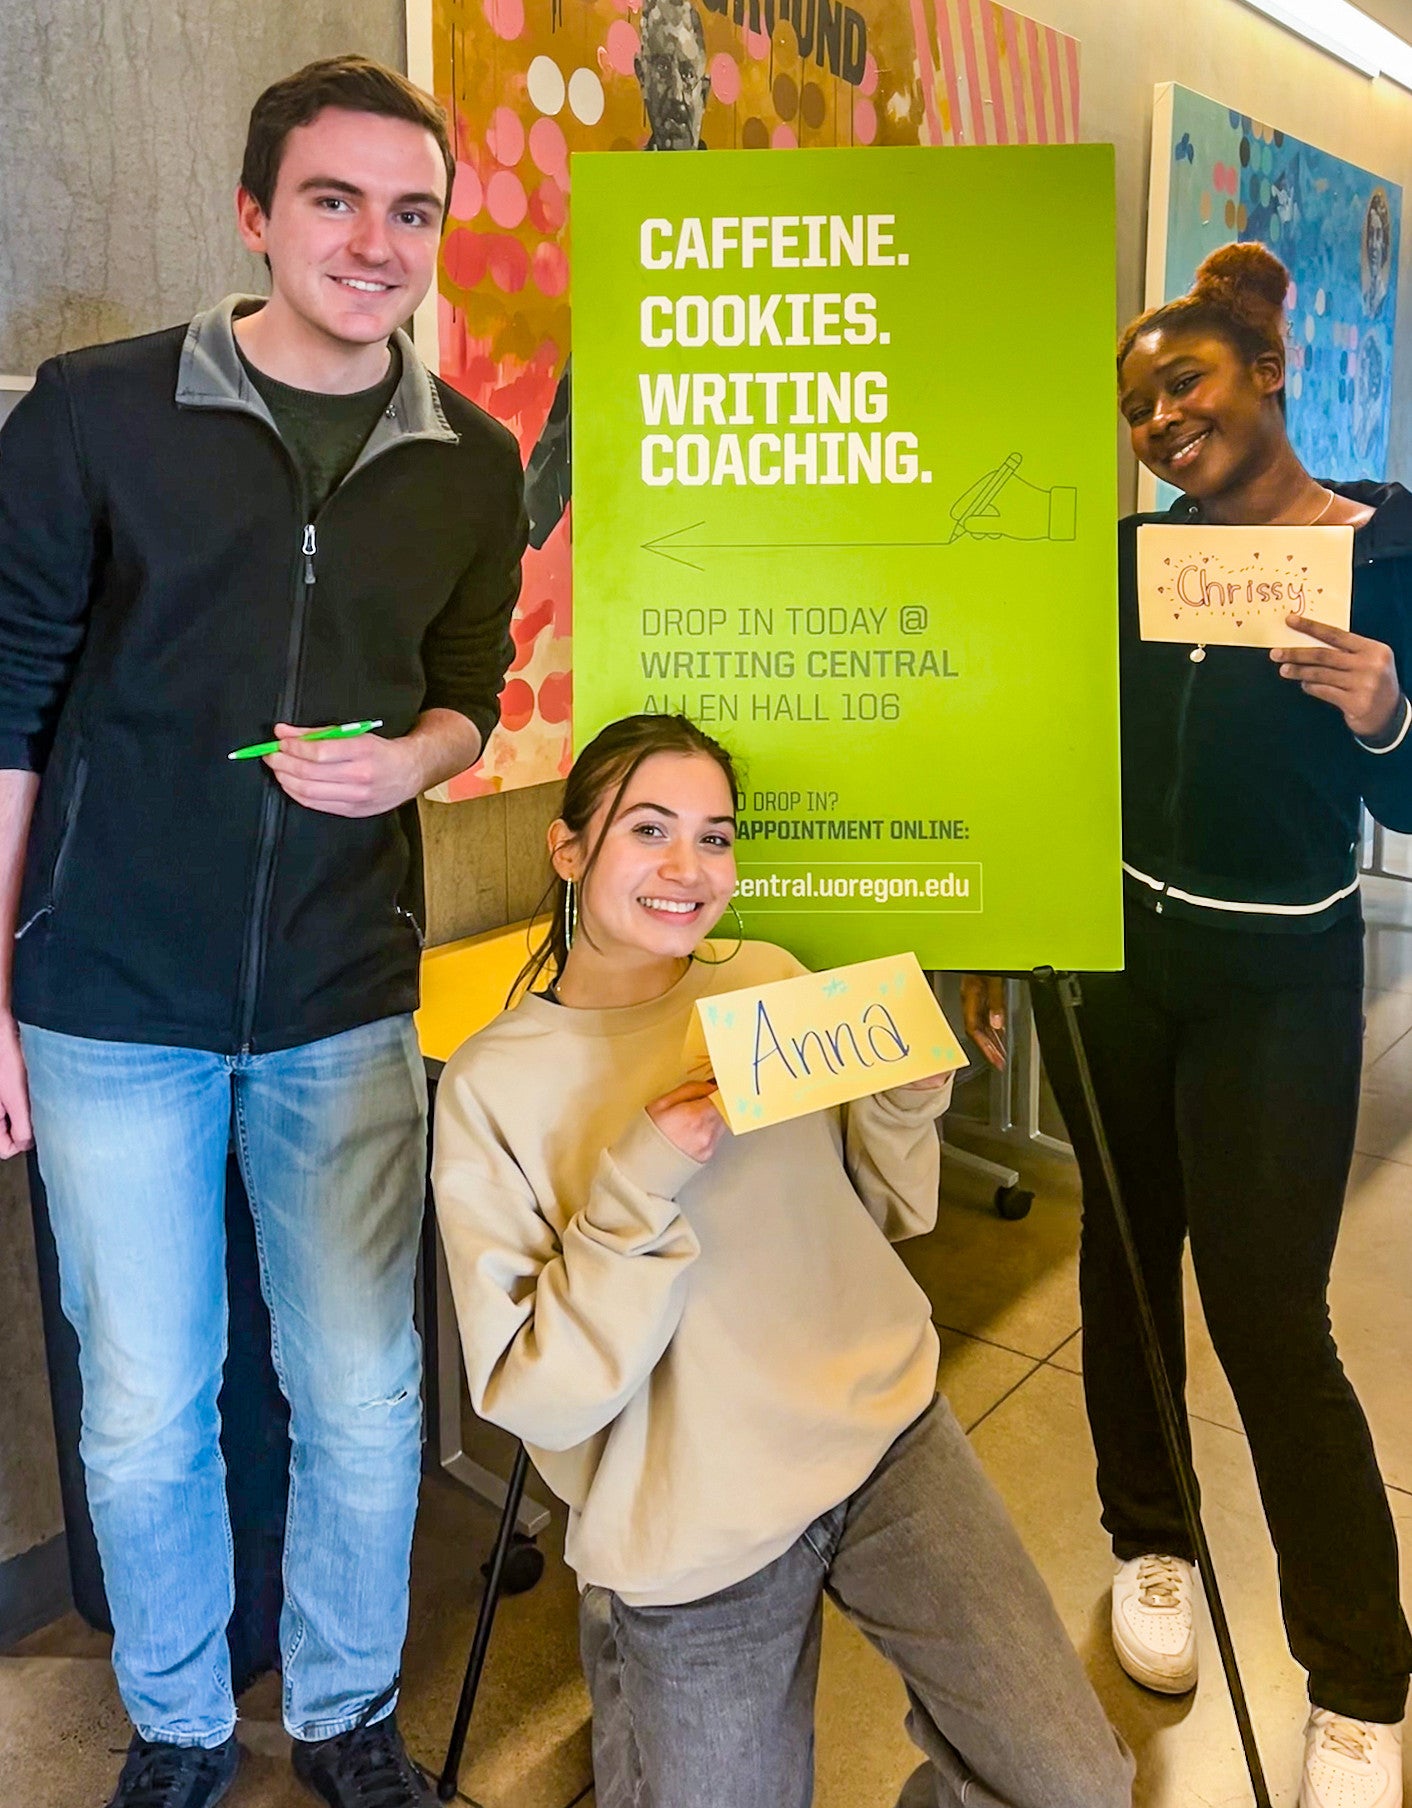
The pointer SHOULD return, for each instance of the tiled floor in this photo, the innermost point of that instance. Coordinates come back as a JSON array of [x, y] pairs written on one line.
[[1005, 1297]]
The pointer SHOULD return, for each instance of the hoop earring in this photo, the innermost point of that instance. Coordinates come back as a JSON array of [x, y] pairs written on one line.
[[739, 938], [571, 914]]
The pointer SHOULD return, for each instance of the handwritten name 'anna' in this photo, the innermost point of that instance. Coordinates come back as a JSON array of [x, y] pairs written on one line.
[[828, 1050]]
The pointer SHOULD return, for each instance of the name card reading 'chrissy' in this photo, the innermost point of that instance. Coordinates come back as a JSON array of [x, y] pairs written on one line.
[[1234, 586], [821, 1039]]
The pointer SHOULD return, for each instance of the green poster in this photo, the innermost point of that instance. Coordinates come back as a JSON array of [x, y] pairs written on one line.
[[844, 494]]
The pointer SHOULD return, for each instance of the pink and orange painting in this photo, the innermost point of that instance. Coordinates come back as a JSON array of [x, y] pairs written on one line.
[[529, 82]]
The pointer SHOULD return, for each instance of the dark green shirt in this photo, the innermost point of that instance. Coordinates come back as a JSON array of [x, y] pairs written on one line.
[[324, 433]]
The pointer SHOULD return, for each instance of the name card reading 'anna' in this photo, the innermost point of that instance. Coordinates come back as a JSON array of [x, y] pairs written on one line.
[[821, 1039], [1235, 586]]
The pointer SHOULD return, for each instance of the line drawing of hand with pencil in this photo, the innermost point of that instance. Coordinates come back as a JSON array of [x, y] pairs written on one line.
[[1002, 505]]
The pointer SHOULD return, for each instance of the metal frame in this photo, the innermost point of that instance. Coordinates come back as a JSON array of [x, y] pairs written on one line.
[[1027, 1070], [1012, 1094], [1373, 864]]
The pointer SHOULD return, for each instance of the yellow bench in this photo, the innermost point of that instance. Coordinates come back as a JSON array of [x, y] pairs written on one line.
[[465, 984]]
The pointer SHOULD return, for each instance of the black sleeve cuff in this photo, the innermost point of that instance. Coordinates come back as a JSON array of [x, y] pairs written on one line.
[[1401, 722], [22, 753]]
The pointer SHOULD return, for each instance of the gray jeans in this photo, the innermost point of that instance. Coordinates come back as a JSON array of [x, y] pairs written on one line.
[[711, 1704]]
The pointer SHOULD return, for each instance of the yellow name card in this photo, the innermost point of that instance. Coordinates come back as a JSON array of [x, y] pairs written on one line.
[[1234, 586], [820, 1039]]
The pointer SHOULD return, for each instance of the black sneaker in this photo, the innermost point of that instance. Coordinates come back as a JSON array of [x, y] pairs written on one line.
[[365, 1768], [175, 1776]]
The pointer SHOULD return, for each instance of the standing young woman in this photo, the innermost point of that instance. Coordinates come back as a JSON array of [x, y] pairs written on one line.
[[1226, 1055], [717, 1359]]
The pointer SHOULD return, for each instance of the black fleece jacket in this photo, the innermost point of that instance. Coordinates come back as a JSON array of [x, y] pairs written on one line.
[[166, 595], [1236, 786]]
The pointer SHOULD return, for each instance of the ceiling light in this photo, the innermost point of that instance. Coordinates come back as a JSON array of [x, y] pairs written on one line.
[[1346, 33]]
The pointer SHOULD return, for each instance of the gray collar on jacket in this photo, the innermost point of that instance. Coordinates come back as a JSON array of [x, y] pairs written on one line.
[[212, 375]]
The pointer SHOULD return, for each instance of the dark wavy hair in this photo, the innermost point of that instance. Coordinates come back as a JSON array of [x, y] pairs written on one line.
[[607, 765]]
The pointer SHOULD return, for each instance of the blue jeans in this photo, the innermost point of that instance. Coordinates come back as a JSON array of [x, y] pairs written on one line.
[[132, 1142], [711, 1704]]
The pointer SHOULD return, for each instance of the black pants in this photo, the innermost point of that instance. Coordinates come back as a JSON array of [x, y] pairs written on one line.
[[1226, 1067]]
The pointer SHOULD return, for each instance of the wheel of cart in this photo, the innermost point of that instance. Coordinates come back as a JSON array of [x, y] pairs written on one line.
[[524, 1565], [1013, 1202]]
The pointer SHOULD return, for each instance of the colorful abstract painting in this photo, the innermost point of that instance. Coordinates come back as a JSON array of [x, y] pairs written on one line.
[[530, 82], [1218, 177]]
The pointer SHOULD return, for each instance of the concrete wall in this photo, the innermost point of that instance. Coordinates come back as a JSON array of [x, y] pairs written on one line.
[[123, 125]]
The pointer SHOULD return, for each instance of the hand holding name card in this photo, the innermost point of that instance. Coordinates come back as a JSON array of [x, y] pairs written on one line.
[[688, 1118], [798, 1045], [1357, 675]]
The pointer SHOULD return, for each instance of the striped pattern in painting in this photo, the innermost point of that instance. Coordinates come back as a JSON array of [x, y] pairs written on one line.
[[992, 76]]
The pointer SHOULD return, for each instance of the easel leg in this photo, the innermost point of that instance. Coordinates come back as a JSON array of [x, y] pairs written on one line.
[[446, 1786], [1070, 997]]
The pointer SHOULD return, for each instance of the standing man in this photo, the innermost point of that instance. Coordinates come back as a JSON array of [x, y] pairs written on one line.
[[271, 520]]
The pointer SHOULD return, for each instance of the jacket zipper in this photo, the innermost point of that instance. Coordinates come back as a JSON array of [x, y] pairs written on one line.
[[412, 924], [271, 806], [252, 957], [1174, 790], [66, 840]]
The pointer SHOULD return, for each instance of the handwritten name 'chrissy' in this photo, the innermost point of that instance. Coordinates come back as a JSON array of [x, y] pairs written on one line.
[[832, 1050], [1199, 591]]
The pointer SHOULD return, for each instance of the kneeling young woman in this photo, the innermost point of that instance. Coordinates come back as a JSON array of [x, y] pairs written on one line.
[[716, 1358]]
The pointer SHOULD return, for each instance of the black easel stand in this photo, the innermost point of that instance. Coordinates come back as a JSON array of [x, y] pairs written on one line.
[[485, 1620], [1070, 996]]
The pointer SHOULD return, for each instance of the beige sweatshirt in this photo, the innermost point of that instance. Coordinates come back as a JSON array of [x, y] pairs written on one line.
[[702, 1358]]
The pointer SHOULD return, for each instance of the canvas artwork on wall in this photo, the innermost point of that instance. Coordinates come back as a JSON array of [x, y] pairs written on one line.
[[529, 82], [1218, 177]]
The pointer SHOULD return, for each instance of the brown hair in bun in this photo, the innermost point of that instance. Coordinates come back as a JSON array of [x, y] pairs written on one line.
[[1239, 293]]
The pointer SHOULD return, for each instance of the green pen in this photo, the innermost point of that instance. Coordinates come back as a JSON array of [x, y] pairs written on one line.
[[344, 732]]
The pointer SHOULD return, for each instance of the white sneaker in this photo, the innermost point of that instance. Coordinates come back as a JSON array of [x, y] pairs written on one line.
[[1350, 1763], [1154, 1622]]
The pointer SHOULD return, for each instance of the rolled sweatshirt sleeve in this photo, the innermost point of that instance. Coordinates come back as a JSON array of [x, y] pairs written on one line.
[[558, 1332], [893, 1155], [48, 539]]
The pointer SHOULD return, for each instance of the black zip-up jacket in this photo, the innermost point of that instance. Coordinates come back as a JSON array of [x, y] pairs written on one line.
[[166, 597], [1241, 795]]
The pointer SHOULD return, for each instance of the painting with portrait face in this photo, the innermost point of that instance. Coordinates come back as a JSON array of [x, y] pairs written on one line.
[[1376, 262], [529, 82], [1220, 176]]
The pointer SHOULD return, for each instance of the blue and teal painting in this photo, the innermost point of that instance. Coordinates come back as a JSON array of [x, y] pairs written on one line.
[[1335, 227]]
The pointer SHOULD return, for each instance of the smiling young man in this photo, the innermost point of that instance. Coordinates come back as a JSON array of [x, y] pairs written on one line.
[[272, 519]]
